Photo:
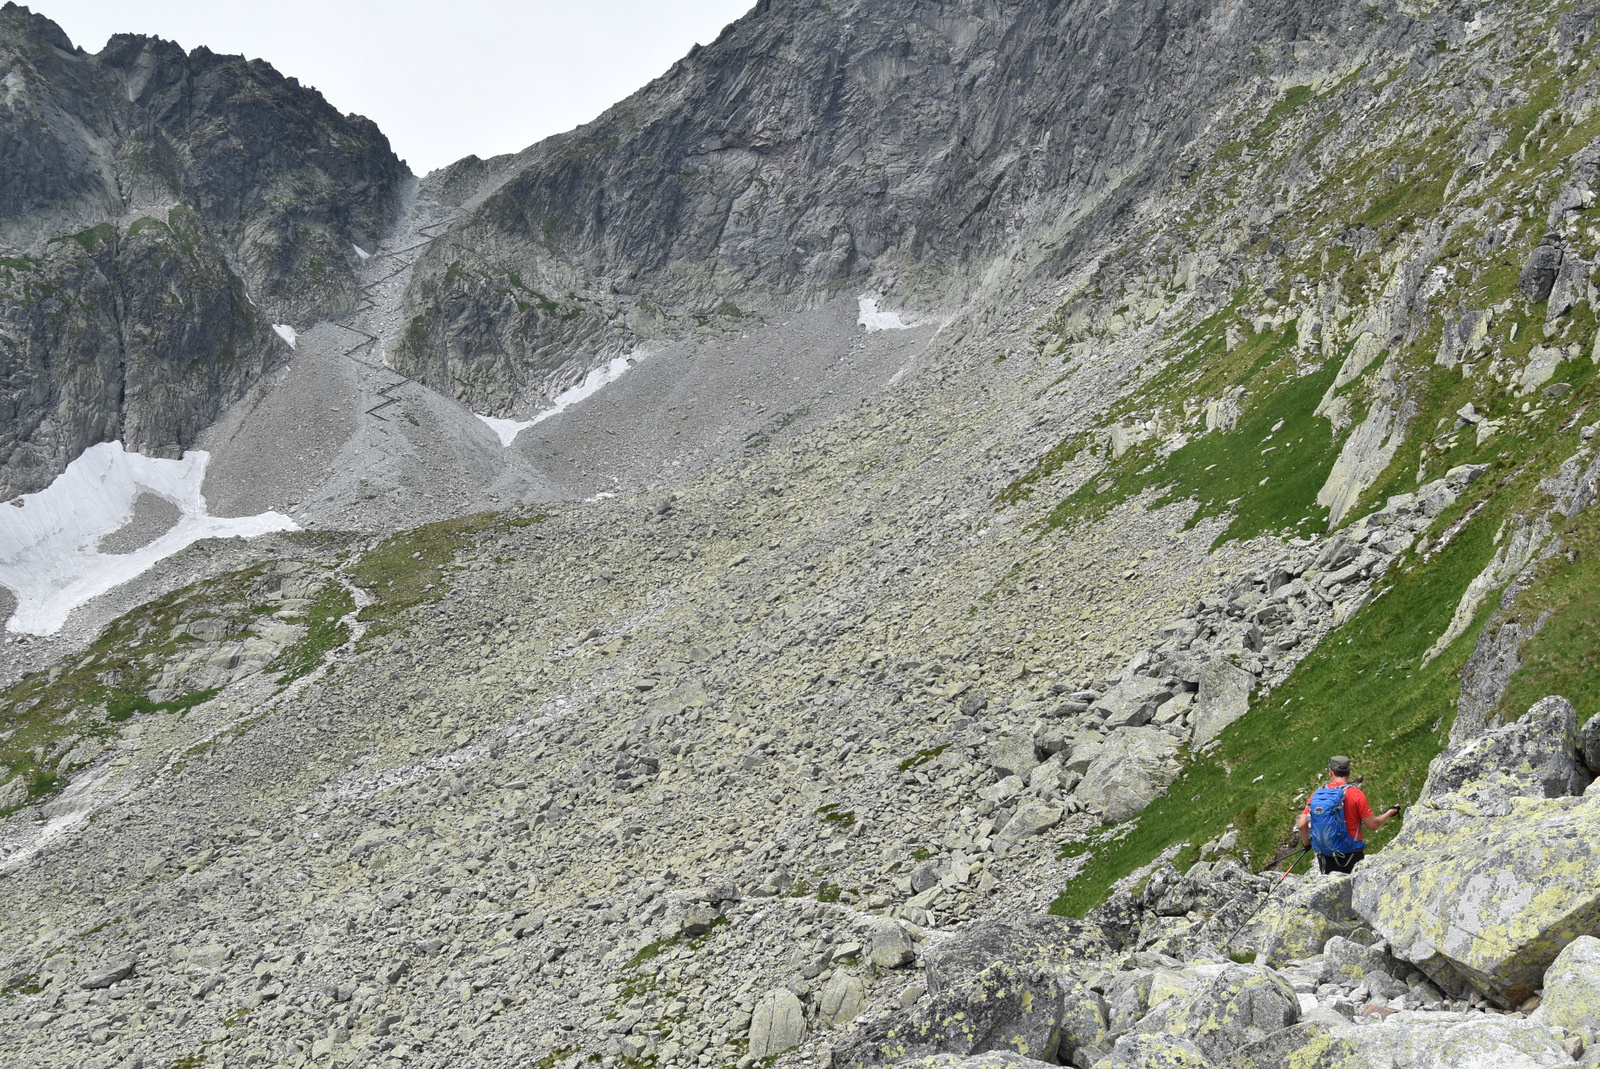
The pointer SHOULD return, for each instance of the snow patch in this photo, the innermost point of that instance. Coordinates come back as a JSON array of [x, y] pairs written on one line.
[[507, 429], [592, 383], [49, 541], [363, 253], [286, 332], [873, 319]]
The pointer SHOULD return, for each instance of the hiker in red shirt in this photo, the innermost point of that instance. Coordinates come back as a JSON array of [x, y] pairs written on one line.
[[1338, 842]]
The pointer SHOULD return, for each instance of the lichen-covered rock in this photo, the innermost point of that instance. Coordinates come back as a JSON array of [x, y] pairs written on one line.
[[1040, 942], [1484, 899], [1348, 964], [994, 1059], [1298, 920], [1240, 1006], [1155, 1052], [1410, 1040], [1085, 1027], [1003, 1008], [1572, 988], [1538, 755]]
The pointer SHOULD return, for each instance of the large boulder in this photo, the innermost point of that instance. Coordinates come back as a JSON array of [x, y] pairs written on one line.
[[1223, 697], [1538, 755], [1240, 1006], [1589, 741], [1013, 755], [1299, 919], [1133, 767], [1492, 875], [1409, 1040], [1154, 1052], [1132, 702], [1054, 944], [994, 1059], [778, 1024], [1483, 899], [1002, 1008], [1572, 987], [842, 999]]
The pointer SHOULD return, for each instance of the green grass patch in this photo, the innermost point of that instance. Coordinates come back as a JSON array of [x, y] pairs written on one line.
[[921, 757], [407, 569], [1564, 657], [1266, 471], [834, 816], [89, 693], [325, 631], [1362, 692]]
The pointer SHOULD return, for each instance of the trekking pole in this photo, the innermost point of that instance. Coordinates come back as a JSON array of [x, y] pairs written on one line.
[[1294, 860]]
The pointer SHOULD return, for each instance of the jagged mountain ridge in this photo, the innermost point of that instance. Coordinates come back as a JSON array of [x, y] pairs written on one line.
[[814, 149], [159, 212]]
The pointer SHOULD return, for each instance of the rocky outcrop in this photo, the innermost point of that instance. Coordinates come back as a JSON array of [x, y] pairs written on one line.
[[159, 211], [1492, 875]]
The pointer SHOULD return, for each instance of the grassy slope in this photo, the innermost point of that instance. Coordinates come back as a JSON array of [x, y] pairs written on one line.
[[1365, 691]]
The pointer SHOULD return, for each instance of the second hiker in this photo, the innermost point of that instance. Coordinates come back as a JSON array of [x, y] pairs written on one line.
[[1334, 819]]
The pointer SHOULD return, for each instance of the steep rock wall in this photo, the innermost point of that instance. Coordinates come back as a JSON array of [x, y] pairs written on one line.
[[158, 211]]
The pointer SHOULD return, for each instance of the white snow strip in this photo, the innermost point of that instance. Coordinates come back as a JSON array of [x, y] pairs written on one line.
[[592, 383], [286, 332], [507, 429], [873, 319], [363, 253], [49, 541]]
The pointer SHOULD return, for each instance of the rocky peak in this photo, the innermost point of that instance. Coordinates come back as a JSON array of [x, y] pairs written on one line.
[[252, 189]]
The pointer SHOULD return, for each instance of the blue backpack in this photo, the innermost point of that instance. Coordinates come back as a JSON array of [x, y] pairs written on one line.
[[1329, 832]]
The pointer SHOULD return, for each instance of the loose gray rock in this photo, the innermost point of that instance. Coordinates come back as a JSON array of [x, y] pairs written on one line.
[[889, 946], [111, 974], [778, 1024]]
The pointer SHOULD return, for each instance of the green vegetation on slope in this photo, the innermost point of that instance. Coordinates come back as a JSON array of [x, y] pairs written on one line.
[[1265, 473], [1362, 692], [324, 619], [115, 677], [407, 569]]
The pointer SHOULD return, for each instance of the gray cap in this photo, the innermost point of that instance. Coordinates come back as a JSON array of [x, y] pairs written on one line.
[[1339, 765]]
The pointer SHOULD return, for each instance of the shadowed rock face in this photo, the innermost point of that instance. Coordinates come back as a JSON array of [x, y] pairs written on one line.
[[889, 144], [158, 211]]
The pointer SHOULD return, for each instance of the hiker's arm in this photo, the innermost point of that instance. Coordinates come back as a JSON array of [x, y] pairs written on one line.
[[1302, 828], [1376, 821]]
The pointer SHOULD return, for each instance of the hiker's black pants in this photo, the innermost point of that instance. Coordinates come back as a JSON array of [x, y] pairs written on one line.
[[1339, 862]]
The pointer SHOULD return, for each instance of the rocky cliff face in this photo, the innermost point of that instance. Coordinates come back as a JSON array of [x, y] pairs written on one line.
[[158, 212], [893, 145]]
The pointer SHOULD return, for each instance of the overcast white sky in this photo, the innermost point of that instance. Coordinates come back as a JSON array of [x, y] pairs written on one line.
[[443, 79]]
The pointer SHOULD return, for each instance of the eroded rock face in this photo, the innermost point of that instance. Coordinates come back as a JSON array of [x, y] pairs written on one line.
[[158, 212]]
